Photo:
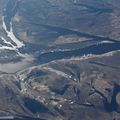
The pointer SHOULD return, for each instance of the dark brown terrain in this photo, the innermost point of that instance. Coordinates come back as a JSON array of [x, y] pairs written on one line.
[[60, 59]]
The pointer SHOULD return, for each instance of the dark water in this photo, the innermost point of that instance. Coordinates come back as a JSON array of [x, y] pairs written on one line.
[[93, 49]]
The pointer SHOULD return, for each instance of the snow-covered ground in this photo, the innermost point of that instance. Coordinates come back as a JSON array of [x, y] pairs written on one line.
[[13, 67], [11, 35]]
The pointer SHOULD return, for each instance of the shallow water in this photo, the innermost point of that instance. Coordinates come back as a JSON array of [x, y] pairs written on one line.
[[17, 66]]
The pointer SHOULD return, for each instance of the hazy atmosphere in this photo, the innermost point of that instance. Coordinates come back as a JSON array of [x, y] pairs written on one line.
[[60, 59]]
